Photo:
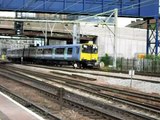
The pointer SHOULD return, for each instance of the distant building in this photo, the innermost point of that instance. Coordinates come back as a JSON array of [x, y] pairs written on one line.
[[142, 24], [130, 41]]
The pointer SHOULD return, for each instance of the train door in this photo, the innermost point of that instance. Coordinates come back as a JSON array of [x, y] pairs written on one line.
[[53, 53], [69, 53], [65, 53]]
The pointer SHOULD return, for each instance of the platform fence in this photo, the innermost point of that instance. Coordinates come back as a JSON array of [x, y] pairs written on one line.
[[139, 65]]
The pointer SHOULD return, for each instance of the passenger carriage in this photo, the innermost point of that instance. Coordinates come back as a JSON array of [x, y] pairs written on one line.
[[79, 55]]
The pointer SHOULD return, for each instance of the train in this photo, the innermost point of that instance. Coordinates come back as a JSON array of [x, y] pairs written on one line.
[[77, 55]]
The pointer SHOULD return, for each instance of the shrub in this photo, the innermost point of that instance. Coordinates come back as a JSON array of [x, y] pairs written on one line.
[[105, 59]]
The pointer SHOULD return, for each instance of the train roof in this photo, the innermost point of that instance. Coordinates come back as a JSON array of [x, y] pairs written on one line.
[[51, 46]]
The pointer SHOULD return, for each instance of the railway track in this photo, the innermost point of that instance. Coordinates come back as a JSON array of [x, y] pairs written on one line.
[[110, 110], [85, 108], [84, 71], [23, 101], [96, 69], [86, 87]]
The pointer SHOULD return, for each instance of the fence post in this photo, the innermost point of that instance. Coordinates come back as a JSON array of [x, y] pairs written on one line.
[[143, 65], [60, 94], [121, 64], [152, 66], [147, 65], [133, 66], [155, 65], [127, 64]]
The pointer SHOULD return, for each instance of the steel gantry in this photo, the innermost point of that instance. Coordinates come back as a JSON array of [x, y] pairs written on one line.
[[153, 42]]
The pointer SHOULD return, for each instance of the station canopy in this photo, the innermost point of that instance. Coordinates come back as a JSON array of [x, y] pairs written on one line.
[[126, 8]]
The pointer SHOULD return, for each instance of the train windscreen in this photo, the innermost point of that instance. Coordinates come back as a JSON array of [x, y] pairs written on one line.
[[89, 49]]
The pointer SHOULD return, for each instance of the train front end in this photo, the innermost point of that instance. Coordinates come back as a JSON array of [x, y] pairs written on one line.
[[89, 55]]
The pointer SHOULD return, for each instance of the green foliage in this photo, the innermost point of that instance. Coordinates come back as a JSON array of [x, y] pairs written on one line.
[[155, 57], [105, 59]]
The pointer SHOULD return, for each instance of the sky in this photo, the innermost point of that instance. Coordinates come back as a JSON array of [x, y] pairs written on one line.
[[122, 22]]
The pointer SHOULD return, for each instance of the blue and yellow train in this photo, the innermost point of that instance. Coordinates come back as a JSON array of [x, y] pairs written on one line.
[[78, 55]]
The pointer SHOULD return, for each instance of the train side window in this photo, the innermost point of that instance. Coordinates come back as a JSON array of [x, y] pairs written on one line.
[[14, 51], [59, 51], [21, 51], [25, 51], [77, 50], [48, 51], [32, 51], [69, 51], [40, 51]]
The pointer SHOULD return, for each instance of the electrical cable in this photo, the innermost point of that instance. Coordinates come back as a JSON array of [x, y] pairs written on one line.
[[134, 6]]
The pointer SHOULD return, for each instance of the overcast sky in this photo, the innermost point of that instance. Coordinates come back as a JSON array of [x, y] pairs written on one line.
[[122, 22]]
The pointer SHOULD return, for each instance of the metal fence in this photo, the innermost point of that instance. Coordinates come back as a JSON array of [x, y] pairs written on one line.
[[139, 65]]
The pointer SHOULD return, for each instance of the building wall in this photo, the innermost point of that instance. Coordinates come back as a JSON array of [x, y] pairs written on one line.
[[130, 40]]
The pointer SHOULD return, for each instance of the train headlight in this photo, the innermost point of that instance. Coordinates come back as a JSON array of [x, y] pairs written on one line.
[[84, 46]]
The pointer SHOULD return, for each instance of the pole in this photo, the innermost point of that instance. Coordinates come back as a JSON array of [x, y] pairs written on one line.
[[115, 38], [45, 43], [131, 73], [131, 78], [76, 33]]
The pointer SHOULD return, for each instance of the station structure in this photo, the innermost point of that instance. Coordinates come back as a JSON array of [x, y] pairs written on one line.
[[146, 9]]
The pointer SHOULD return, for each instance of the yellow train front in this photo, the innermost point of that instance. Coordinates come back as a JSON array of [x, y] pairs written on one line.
[[88, 55]]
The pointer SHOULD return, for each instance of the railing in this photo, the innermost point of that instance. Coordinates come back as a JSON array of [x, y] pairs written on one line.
[[139, 65]]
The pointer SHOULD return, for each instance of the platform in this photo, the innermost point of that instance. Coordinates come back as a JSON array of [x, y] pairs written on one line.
[[11, 110]]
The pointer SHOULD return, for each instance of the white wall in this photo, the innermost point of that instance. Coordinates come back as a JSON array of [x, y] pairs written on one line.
[[130, 40]]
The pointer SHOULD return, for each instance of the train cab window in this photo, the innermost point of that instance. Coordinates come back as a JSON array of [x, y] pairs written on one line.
[[94, 49], [69, 51], [40, 51], [59, 51], [48, 51], [86, 49]]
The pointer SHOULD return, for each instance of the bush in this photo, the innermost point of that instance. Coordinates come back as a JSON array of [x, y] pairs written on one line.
[[105, 59]]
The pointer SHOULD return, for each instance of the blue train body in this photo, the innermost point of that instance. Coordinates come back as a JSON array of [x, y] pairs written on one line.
[[77, 55]]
